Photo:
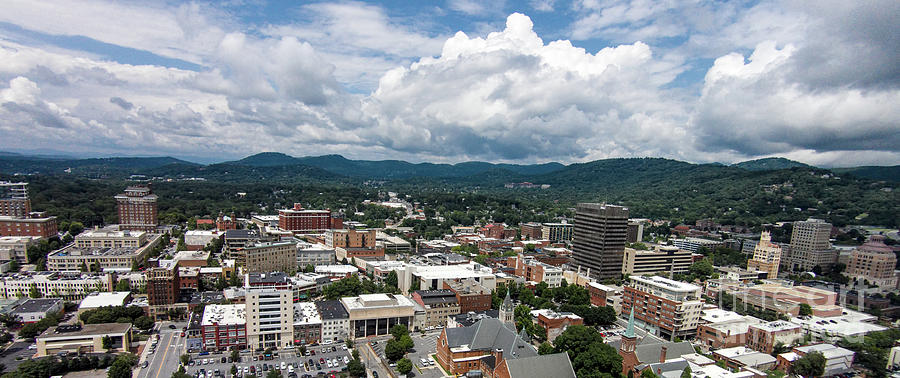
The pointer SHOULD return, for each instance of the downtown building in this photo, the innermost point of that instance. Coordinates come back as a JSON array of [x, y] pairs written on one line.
[[873, 261], [270, 310], [375, 314], [810, 246], [665, 259], [16, 217], [557, 232], [300, 220], [766, 256], [599, 239], [137, 209], [224, 327], [663, 307]]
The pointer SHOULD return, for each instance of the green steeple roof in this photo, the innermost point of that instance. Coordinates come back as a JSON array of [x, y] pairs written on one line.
[[629, 332]]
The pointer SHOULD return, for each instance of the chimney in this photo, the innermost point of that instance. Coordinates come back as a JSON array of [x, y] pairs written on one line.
[[662, 354], [498, 356]]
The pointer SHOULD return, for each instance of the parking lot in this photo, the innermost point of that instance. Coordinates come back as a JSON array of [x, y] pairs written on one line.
[[326, 359], [424, 347]]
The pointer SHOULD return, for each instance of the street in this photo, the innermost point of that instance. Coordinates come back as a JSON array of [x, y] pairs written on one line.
[[16, 354], [165, 360]]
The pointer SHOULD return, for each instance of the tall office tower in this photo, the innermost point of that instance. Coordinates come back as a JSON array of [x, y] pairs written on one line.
[[766, 256], [810, 246], [137, 209], [163, 285], [599, 240], [14, 199]]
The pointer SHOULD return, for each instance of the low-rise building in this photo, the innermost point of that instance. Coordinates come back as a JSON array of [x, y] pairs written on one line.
[[837, 360], [16, 247], [34, 309], [466, 319], [555, 323], [835, 328], [438, 305], [268, 256], [726, 333], [432, 277], [664, 259], [191, 258], [74, 258], [535, 271], [742, 356], [557, 232], [307, 323], [224, 327], [314, 254], [337, 271], [375, 314], [36, 224], [765, 337], [470, 295], [83, 339], [335, 321], [100, 299], [111, 237], [196, 240], [601, 294], [71, 286], [694, 244]]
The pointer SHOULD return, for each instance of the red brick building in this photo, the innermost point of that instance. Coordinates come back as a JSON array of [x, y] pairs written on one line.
[[36, 225], [137, 209], [600, 294], [471, 296], [531, 230], [497, 231], [299, 220], [223, 327], [163, 286], [555, 323]]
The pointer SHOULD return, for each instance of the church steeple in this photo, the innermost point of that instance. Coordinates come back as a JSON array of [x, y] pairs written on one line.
[[629, 339], [507, 310]]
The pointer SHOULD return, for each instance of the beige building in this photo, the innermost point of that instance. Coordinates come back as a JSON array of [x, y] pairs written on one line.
[[375, 314], [663, 307], [270, 257], [16, 247], [766, 256], [270, 311], [83, 339], [557, 232], [665, 259], [810, 246], [74, 258], [874, 261], [69, 286], [111, 238]]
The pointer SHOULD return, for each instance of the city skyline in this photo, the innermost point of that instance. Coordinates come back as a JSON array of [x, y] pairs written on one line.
[[453, 81]]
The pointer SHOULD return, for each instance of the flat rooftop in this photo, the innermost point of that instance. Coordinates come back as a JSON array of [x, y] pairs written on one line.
[[37, 305], [717, 315], [371, 301], [306, 313], [848, 324], [224, 314], [666, 283], [86, 330], [333, 309], [98, 299]]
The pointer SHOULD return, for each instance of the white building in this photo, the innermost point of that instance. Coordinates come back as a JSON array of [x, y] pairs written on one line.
[[270, 311], [849, 324], [375, 314], [837, 359], [314, 254], [70, 286], [97, 300], [432, 277]]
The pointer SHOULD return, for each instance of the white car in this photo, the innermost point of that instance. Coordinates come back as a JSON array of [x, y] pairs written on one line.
[[283, 366], [346, 360], [32, 346]]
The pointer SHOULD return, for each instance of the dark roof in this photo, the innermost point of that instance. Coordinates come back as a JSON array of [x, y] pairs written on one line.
[[332, 310], [36, 305], [207, 297], [555, 365], [659, 369], [267, 278], [433, 297], [471, 318], [649, 353], [240, 234], [490, 334]]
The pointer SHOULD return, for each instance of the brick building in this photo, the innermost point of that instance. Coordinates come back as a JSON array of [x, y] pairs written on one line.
[[470, 295], [664, 307], [555, 323], [163, 286], [765, 336], [298, 219], [223, 327], [36, 224], [137, 209], [535, 271], [530, 231], [14, 200], [439, 304]]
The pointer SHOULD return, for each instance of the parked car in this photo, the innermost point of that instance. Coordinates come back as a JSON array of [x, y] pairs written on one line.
[[172, 326]]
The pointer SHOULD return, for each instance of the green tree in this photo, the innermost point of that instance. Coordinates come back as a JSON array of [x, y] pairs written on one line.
[[356, 369], [121, 367], [391, 279], [309, 268], [588, 353], [75, 228], [702, 269], [399, 330], [404, 366], [545, 348], [686, 373], [107, 343], [274, 374], [805, 309], [406, 342], [394, 350], [810, 365], [180, 373], [648, 374], [234, 370], [185, 359], [34, 292], [123, 285], [143, 322]]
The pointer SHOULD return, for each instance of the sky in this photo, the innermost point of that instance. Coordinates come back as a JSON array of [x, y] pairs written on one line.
[[455, 80]]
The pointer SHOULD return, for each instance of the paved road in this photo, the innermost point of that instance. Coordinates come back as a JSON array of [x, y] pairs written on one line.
[[17, 349], [370, 359], [165, 360]]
